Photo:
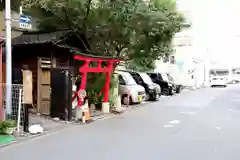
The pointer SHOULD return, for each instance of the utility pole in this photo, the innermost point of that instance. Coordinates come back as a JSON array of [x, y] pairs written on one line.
[[8, 30]]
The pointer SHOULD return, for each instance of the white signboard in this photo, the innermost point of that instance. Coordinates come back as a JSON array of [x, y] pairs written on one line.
[[25, 22]]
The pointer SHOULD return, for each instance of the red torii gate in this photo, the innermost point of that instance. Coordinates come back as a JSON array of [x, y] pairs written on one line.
[[84, 69]]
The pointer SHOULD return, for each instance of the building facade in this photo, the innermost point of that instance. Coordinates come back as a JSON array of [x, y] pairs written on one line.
[[190, 64]]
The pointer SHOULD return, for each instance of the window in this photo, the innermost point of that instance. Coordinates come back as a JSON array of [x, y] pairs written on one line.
[[146, 78], [121, 81], [170, 77], [153, 76], [165, 77], [137, 78], [128, 79], [172, 60], [160, 77]]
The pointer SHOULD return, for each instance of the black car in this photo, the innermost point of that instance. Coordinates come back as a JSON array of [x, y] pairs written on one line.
[[150, 88], [177, 85], [162, 80]]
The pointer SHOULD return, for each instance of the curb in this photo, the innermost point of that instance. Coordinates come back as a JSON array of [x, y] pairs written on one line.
[[24, 139], [5, 145]]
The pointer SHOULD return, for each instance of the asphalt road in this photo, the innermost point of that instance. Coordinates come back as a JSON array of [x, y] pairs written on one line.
[[196, 125]]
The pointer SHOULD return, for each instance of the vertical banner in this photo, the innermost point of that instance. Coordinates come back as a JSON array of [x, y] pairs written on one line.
[[27, 87]]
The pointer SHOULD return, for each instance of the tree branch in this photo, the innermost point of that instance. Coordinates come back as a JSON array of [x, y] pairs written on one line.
[[88, 6], [67, 18], [72, 28]]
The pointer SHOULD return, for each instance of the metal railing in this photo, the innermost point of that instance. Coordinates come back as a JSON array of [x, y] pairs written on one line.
[[17, 111]]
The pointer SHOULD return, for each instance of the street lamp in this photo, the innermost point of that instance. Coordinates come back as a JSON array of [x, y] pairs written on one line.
[[8, 57]]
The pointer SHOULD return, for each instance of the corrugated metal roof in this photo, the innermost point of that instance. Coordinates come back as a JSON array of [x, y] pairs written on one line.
[[37, 38]]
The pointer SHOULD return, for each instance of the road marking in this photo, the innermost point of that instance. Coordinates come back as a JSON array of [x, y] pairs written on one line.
[[234, 110], [235, 100], [168, 126], [218, 128], [174, 122], [145, 102], [188, 113]]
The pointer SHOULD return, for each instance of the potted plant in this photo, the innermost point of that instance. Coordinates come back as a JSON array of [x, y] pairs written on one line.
[[8, 126], [97, 101], [1, 127]]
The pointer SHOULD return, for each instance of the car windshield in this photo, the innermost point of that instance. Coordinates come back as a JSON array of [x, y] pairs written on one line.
[[219, 72], [170, 77], [128, 79], [165, 77], [146, 78]]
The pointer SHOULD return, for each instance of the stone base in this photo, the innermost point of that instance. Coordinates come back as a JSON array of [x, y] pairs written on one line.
[[105, 107], [78, 113], [119, 104]]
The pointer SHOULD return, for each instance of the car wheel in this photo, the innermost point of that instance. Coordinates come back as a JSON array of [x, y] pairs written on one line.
[[147, 98], [178, 90], [155, 97], [127, 100], [159, 95], [170, 92]]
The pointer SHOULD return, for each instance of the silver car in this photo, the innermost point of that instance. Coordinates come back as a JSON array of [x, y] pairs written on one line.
[[129, 90]]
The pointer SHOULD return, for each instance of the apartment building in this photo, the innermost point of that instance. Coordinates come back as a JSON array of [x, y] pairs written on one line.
[[180, 60], [189, 62]]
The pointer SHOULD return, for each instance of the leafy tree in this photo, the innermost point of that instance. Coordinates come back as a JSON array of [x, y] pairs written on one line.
[[136, 30], [14, 4]]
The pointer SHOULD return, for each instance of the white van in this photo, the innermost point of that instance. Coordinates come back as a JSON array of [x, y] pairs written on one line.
[[129, 90], [218, 81]]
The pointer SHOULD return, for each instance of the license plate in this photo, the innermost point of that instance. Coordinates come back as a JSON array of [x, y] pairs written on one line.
[[140, 98]]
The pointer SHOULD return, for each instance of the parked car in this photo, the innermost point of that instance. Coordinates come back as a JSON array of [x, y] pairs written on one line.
[[236, 77], [129, 90], [159, 91], [218, 81], [161, 79], [144, 80], [177, 85]]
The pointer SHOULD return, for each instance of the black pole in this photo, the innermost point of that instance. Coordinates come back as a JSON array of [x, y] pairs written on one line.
[[68, 92], [26, 118]]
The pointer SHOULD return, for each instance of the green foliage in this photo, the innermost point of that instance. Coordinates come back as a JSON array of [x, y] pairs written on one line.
[[15, 4], [95, 84], [141, 64], [136, 30], [4, 125]]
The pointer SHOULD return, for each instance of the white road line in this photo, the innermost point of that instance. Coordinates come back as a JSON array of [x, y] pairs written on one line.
[[145, 102], [174, 122], [168, 126], [218, 128], [188, 113], [234, 110]]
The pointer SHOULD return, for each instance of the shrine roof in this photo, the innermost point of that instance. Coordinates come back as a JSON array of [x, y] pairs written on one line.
[[58, 39], [39, 37], [77, 52]]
